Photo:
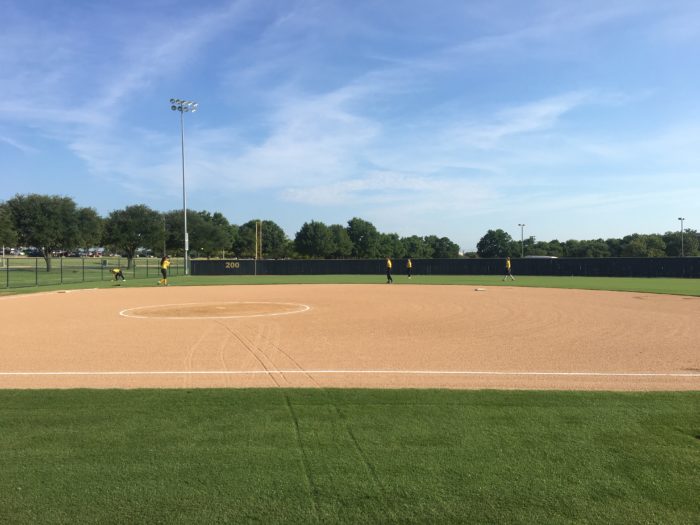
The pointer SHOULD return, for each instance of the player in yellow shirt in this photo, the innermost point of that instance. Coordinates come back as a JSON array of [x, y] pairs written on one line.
[[508, 271], [164, 265], [389, 280], [118, 274], [409, 267]]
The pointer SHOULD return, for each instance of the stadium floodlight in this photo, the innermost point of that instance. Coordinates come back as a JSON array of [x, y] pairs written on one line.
[[682, 219], [184, 106], [522, 249]]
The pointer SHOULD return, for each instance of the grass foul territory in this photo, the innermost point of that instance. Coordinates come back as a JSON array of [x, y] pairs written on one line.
[[348, 456]]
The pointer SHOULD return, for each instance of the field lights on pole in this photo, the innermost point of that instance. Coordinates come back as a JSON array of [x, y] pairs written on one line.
[[681, 219], [522, 249], [183, 106]]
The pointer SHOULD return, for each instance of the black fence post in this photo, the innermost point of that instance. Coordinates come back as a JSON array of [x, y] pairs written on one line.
[[61, 278]]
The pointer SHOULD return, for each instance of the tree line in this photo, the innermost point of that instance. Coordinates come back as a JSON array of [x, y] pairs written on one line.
[[56, 224], [498, 243]]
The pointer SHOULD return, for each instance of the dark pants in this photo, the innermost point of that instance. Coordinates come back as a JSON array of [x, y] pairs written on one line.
[[118, 275], [164, 273], [388, 276]]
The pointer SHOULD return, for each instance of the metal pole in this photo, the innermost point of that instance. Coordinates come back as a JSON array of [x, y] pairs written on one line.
[[522, 246], [184, 194], [682, 250]]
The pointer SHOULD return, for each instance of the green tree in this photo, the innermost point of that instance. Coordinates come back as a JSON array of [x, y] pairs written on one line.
[[496, 243], [594, 248], [364, 237], [674, 247], [614, 247], [244, 242], [416, 247], [555, 248], [656, 247], [172, 237], [8, 234], [234, 232], [342, 245], [90, 226], [442, 247], [390, 245], [314, 239], [47, 222], [132, 228], [209, 234], [636, 246], [275, 243]]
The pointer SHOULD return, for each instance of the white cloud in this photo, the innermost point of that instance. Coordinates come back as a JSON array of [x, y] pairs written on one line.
[[24, 148]]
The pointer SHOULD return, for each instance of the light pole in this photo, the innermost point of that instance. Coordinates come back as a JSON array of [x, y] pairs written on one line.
[[183, 106], [681, 219], [522, 248]]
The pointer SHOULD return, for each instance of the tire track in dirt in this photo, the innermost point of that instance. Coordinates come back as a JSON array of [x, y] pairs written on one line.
[[189, 358], [256, 353], [269, 336]]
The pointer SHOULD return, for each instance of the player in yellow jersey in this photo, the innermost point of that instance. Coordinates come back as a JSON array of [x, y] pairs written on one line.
[[508, 271], [409, 267], [118, 274], [389, 280], [164, 265]]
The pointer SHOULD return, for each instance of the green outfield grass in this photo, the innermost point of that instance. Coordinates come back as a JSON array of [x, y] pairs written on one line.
[[628, 284], [348, 456]]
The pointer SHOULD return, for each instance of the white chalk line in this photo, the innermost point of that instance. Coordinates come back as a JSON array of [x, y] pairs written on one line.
[[127, 312], [356, 372]]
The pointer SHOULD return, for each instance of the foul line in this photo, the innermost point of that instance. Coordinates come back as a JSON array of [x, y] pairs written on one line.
[[331, 372]]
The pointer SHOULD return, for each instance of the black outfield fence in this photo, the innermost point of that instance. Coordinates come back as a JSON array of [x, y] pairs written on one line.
[[603, 267], [25, 271]]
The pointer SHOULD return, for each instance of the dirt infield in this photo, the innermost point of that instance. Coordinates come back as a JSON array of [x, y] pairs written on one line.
[[350, 336]]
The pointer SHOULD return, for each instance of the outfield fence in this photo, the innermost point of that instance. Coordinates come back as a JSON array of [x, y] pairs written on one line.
[[18, 272], [586, 267]]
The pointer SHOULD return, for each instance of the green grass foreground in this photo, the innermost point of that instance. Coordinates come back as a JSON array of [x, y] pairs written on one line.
[[348, 456], [623, 284]]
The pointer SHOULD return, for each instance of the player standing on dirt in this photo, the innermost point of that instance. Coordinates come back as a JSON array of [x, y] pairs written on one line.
[[164, 265]]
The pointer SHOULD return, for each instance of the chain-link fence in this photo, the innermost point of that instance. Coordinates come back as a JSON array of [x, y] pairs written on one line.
[[17, 272]]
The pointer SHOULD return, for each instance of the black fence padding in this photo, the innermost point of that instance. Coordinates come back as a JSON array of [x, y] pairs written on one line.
[[602, 267]]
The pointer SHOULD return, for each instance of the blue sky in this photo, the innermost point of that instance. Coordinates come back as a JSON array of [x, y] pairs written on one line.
[[579, 119]]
